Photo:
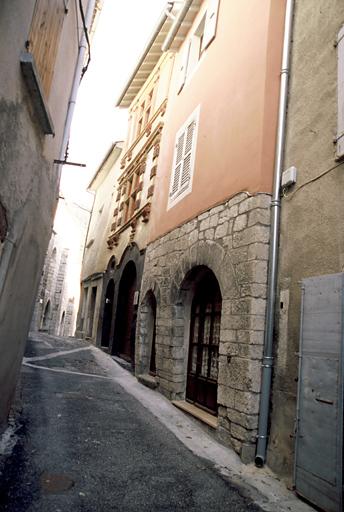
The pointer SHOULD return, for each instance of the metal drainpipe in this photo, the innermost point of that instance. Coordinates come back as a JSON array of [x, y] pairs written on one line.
[[76, 82], [267, 365], [176, 25]]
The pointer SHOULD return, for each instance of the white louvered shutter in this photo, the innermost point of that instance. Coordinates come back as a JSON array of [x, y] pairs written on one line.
[[177, 172], [183, 67], [189, 141], [340, 94], [210, 23]]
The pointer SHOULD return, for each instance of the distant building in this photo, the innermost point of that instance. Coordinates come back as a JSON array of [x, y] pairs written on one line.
[[58, 294], [40, 66]]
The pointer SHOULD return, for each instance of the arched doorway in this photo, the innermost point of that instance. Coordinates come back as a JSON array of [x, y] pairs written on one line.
[[46, 317], [108, 312], [125, 325], [202, 370], [62, 323]]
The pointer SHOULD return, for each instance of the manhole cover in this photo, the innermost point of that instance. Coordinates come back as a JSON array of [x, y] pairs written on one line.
[[52, 483]]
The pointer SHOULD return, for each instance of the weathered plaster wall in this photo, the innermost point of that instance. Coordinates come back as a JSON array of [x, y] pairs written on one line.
[[312, 237], [28, 182], [232, 241]]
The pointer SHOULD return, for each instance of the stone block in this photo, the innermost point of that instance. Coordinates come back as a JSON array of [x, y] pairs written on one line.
[[246, 402], [205, 224], [247, 422], [213, 220], [193, 237], [240, 222], [250, 337], [253, 290], [228, 335], [209, 234], [203, 216], [258, 251], [238, 198], [258, 201], [241, 374], [248, 452], [239, 255], [221, 230], [251, 235], [225, 396], [259, 216]]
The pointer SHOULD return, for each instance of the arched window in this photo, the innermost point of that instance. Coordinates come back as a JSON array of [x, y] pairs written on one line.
[[201, 388]]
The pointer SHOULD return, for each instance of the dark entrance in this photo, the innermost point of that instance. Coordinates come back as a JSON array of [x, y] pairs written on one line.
[[125, 326], [107, 315], [201, 387]]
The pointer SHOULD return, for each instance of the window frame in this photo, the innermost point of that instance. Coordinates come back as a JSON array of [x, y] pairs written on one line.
[[183, 191]]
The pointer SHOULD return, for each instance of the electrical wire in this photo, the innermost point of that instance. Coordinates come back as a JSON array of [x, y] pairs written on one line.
[[292, 193], [82, 14]]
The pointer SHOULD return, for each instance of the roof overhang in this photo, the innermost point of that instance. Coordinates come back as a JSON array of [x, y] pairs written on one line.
[[109, 161], [172, 16]]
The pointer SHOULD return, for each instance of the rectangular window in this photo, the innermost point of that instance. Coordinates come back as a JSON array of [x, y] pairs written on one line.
[[184, 159], [44, 38], [201, 38], [340, 94]]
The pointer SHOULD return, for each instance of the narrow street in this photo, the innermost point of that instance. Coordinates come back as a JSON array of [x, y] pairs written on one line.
[[85, 444]]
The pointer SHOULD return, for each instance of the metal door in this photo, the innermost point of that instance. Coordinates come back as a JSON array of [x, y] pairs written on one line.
[[319, 436]]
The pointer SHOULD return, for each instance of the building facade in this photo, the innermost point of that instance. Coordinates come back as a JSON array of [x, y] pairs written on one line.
[[124, 187], [203, 293], [307, 402], [39, 65]]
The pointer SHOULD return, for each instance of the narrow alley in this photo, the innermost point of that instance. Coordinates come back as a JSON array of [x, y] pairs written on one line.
[[85, 444]]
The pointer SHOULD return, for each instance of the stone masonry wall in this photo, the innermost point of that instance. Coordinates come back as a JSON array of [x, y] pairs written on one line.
[[232, 240]]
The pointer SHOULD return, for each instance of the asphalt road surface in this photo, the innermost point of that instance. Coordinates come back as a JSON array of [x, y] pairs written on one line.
[[85, 444]]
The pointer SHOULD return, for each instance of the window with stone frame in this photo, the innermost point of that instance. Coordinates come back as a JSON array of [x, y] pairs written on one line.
[[184, 159], [44, 37]]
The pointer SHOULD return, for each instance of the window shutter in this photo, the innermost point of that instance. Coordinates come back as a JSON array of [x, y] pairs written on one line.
[[210, 23], [186, 171], [183, 67], [44, 37], [340, 94], [178, 164]]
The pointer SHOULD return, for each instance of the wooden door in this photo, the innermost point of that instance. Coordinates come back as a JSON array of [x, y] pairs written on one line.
[[201, 388]]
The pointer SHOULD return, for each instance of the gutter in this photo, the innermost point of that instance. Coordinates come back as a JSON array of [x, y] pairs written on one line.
[[163, 18], [264, 409], [176, 25], [76, 82]]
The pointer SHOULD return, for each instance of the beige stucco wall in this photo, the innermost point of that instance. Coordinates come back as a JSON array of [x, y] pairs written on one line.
[[236, 85], [28, 181], [312, 238]]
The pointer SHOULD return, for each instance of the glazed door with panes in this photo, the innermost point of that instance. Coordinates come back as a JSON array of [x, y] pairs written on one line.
[[201, 388]]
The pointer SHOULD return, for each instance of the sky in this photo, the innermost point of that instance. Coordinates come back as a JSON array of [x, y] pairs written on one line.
[[122, 32]]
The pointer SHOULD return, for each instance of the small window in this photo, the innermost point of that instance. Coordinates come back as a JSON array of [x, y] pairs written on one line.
[[184, 159], [199, 41]]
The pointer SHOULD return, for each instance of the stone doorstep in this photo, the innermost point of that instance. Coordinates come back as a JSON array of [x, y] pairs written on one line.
[[196, 412], [147, 380]]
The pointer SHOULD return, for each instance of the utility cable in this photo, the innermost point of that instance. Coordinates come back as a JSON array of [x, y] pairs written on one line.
[[316, 178], [82, 14]]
